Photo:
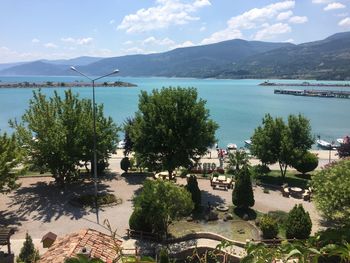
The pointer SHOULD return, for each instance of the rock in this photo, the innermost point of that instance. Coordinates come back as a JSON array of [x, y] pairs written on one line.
[[212, 216], [228, 216], [189, 219]]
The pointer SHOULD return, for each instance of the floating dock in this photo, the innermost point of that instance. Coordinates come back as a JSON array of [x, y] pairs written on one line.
[[305, 84], [315, 93]]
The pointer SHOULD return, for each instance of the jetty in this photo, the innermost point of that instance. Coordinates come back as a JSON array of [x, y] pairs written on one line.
[[315, 93], [305, 84], [75, 84]]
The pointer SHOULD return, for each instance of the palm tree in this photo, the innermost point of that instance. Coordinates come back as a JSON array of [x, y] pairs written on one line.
[[238, 159]]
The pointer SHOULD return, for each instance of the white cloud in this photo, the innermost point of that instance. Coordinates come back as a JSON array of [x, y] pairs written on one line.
[[298, 19], [252, 19], [128, 42], [342, 14], [321, 1], [184, 44], [161, 42], [271, 31], [50, 45], [164, 14], [133, 50], [78, 41], [35, 40], [334, 6], [290, 40], [112, 21], [345, 22], [203, 28], [284, 15]]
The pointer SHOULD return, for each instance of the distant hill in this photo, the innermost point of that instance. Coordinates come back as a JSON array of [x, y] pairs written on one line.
[[324, 59]]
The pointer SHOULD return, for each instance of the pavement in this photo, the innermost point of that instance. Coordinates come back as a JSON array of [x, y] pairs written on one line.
[[38, 206]]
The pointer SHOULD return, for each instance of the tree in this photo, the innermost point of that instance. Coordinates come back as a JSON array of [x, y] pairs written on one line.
[[344, 148], [9, 157], [28, 253], [307, 163], [125, 164], [163, 256], [127, 136], [171, 127], [298, 224], [269, 227], [331, 191], [276, 141], [63, 134], [238, 159], [192, 187], [242, 194], [159, 203]]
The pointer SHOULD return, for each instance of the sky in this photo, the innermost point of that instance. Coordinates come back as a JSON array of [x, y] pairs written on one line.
[[62, 29]]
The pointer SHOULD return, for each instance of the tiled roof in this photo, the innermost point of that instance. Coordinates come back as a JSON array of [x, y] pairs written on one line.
[[102, 246]]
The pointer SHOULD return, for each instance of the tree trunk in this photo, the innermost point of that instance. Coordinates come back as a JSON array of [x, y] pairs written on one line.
[[283, 169], [170, 174]]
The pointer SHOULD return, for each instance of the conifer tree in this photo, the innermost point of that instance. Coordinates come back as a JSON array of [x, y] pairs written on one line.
[[192, 187], [28, 253], [242, 195], [299, 223]]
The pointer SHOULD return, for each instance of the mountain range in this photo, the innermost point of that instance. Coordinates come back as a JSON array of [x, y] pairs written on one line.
[[324, 59]]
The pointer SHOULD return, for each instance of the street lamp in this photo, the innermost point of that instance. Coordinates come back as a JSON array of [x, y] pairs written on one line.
[[94, 124]]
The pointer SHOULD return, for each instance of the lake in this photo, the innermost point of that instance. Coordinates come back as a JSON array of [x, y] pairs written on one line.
[[238, 106]]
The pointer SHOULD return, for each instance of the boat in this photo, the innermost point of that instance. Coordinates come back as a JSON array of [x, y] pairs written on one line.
[[323, 144], [248, 143], [340, 140], [232, 146], [121, 144]]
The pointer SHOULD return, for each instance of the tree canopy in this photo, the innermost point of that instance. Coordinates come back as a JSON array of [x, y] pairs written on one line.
[[56, 134], [331, 191], [9, 156], [242, 194], [275, 141], [158, 204], [171, 127]]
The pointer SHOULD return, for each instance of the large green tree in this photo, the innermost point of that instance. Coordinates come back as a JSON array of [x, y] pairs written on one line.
[[298, 224], [171, 127], [277, 141], [158, 204], [331, 191], [56, 134], [9, 156]]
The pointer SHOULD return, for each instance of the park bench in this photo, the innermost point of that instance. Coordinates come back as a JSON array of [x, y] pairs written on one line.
[[5, 235]]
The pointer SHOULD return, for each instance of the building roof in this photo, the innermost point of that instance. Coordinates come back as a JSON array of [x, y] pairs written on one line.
[[102, 246]]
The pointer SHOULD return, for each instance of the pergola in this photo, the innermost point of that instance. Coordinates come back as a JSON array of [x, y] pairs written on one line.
[[5, 234]]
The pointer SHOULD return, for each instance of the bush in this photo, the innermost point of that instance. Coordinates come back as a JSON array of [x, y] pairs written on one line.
[[192, 187], [163, 256], [88, 200], [242, 194], [261, 169], [137, 222], [306, 163], [298, 224], [28, 253], [125, 164], [269, 227]]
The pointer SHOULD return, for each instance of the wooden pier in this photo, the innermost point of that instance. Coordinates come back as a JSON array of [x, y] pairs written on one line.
[[315, 93]]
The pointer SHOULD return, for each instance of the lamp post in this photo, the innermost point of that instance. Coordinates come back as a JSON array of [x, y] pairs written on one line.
[[94, 132], [330, 151]]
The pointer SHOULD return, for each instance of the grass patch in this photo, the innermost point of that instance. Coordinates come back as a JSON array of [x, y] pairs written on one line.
[[292, 178], [102, 199]]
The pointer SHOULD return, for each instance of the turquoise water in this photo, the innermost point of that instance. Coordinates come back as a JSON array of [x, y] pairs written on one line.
[[236, 105]]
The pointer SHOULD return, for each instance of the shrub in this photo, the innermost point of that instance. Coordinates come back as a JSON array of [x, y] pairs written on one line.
[[137, 222], [28, 253], [298, 224], [125, 164], [192, 187], [269, 227], [163, 256], [306, 163], [261, 169], [242, 194]]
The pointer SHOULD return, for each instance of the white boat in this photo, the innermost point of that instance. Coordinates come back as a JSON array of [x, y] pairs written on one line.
[[340, 140], [232, 146], [121, 144], [248, 143], [323, 144]]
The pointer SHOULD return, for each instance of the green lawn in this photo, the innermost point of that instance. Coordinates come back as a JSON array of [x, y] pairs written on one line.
[[293, 178]]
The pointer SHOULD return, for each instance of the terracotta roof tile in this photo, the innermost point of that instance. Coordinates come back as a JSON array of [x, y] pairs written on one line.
[[102, 246]]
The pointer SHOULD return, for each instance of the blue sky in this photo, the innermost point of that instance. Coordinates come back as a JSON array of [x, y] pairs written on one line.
[[59, 29]]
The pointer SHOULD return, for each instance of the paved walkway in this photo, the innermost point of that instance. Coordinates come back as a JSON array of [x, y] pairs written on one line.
[[38, 206]]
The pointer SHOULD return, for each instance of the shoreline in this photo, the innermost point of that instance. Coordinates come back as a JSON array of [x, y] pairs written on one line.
[[51, 84]]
